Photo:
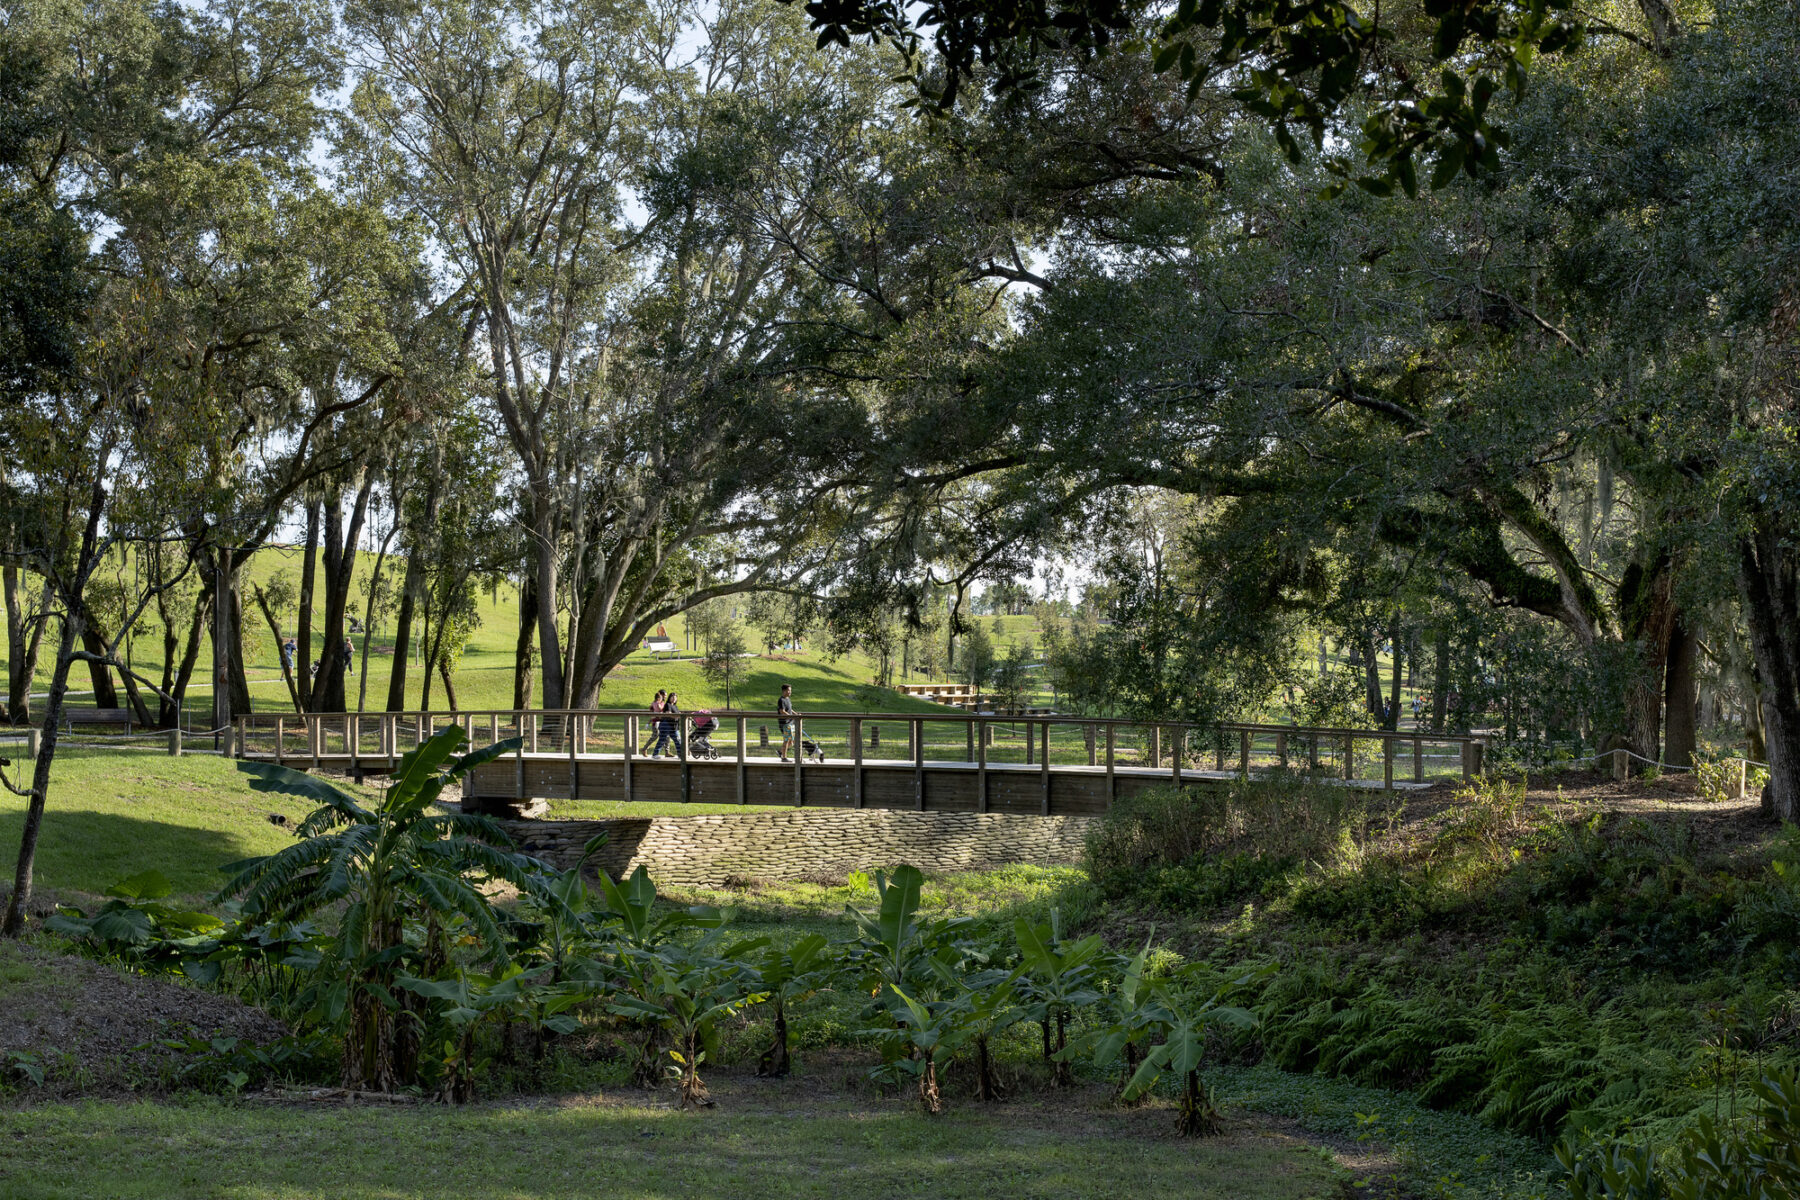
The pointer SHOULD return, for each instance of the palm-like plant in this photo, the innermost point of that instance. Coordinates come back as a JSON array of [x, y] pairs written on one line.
[[1060, 976], [788, 973], [1185, 1021], [404, 872]]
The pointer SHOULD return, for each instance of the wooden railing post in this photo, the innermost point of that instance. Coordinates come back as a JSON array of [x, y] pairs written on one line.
[[1349, 756], [981, 748], [1418, 758], [918, 743], [574, 737], [629, 767], [1281, 750], [1244, 753], [856, 766], [279, 723], [1044, 769], [1177, 752], [1387, 762], [1112, 792], [1156, 745], [743, 771], [686, 731], [799, 761]]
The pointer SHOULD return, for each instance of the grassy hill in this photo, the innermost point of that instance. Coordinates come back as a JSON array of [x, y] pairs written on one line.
[[484, 675]]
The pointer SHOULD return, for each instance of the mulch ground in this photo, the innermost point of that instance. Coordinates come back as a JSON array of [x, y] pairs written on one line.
[[98, 1030]]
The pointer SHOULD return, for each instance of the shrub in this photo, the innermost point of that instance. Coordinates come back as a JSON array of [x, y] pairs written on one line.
[[1709, 1162], [1279, 821]]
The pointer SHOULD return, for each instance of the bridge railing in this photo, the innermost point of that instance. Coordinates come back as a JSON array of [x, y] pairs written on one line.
[[1043, 741]]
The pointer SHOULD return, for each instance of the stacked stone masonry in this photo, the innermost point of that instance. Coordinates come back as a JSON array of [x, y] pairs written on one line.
[[709, 851]]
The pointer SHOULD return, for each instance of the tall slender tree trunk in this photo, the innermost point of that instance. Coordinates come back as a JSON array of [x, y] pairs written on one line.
[[24, 869], [524, 644], [544, 546], [237, 672], [303, 655], [190, 653], [274, 624], [1769, 579], [1681, 697], [72, 601], [1393, 713], [330, 694], [412, 588], [362, 684], [427, 659], [24, 636], [1371, 666], [1440, 678], [443, 666]]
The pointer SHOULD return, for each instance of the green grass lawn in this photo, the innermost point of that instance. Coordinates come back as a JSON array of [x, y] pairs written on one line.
[[769, 1142], [484, 674], [111, 814]]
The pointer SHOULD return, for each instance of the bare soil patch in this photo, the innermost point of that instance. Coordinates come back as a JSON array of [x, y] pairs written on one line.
[[98, 1030]]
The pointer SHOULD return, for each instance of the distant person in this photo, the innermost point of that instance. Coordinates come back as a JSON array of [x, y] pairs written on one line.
[[347, 655], [1418, 706], [656, 711], [287, 655], [784, 718], [669, 727]]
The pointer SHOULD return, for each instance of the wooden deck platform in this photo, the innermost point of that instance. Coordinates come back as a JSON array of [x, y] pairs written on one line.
[[595, 755]]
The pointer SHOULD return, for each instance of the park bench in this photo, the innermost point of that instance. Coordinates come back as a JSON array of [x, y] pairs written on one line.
[[96, 716]]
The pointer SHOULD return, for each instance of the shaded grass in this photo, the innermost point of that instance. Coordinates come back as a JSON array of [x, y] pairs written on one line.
[[111, 814], [788, 1147]]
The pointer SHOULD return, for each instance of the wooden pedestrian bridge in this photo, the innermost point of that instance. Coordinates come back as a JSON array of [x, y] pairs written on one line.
[[953, 762]]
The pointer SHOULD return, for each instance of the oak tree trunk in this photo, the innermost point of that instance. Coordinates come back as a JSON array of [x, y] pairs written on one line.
[[1769, 578], [1681, 697]]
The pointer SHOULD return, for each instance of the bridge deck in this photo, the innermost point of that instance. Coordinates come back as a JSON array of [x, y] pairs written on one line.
[[1074, 789]]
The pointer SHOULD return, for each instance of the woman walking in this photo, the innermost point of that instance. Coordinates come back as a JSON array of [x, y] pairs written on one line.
[[668, 728], [656, 707]]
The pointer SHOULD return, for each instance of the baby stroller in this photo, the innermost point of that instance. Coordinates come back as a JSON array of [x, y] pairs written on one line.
[[700, 743]]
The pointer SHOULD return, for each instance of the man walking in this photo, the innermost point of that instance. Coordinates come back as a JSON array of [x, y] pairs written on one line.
[[786, 718]]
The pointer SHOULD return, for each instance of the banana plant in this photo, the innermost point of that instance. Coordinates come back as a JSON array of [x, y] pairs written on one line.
[[892, 948], [928, 1034], [685, 992], [788, 974], [1060, 979], [396, 867], [1136, 1018], [1184, 1023], [467, 999], [633, 903], [987, 1006]]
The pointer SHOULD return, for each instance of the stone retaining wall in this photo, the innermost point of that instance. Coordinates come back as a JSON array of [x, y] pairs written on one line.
[[707, 851]]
